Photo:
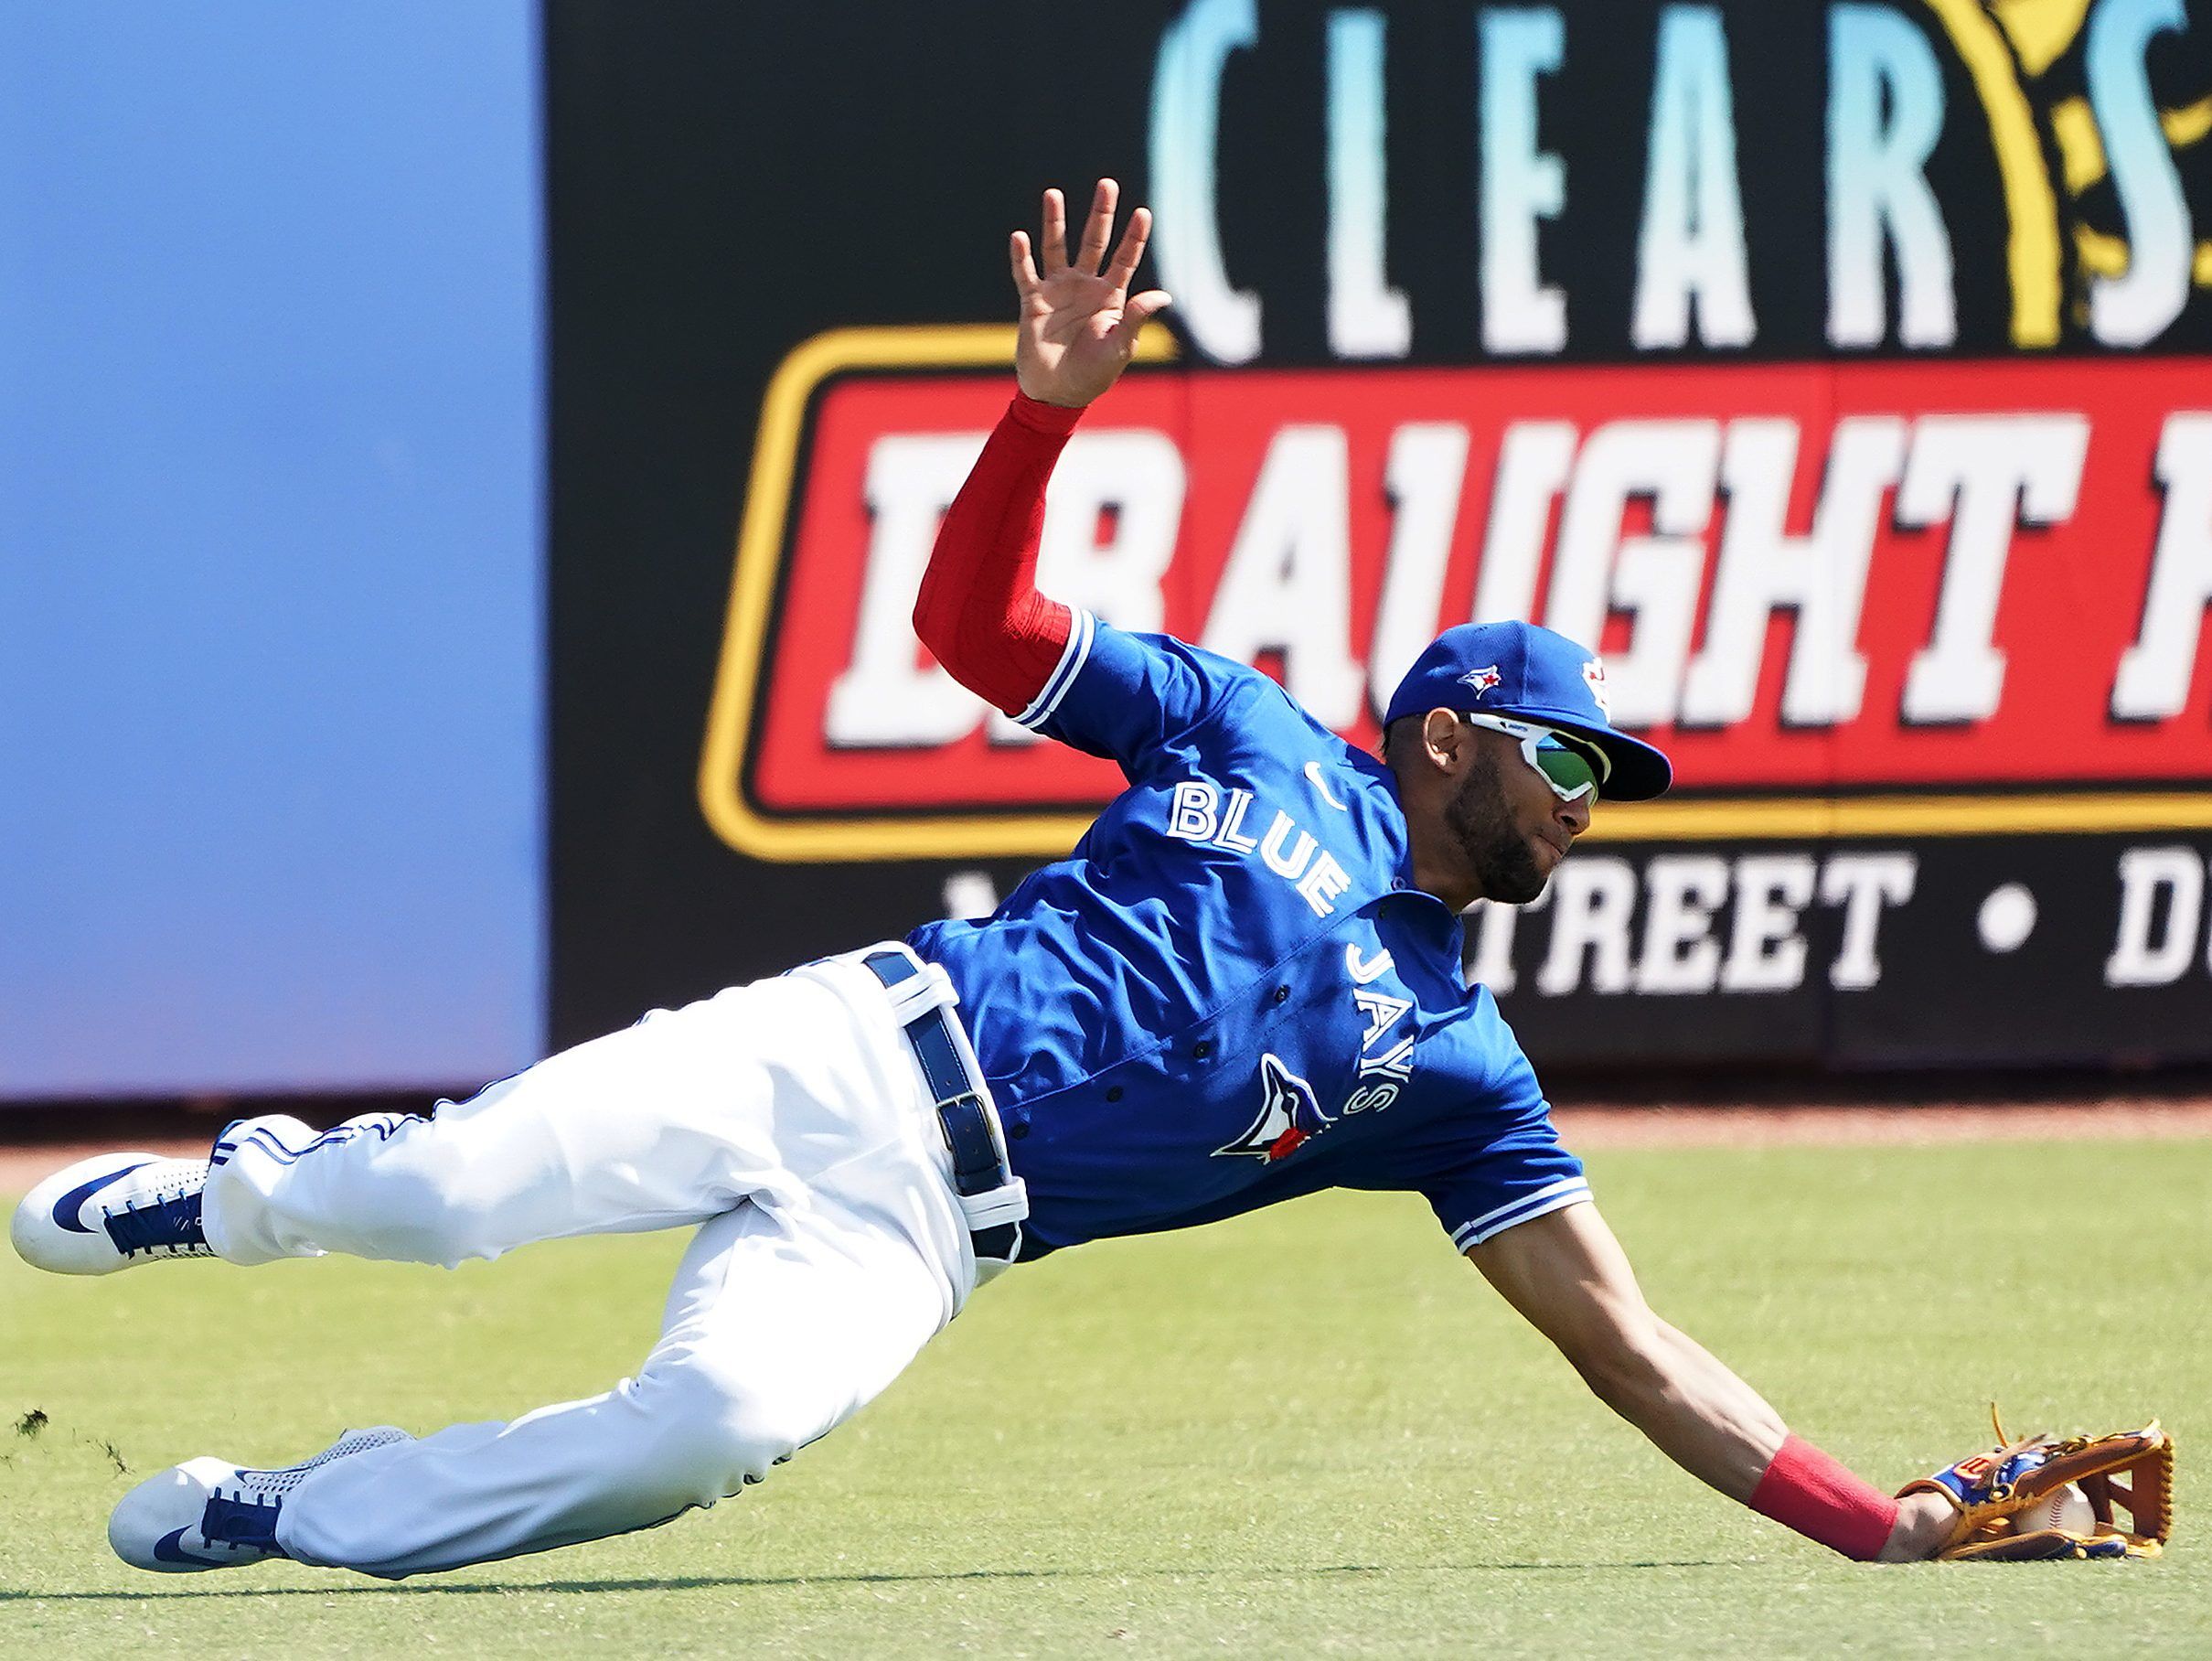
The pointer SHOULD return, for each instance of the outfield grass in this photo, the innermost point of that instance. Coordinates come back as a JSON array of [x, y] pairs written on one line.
[[1312, 1431]]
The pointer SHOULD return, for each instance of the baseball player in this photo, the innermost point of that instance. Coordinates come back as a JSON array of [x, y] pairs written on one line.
[[1243, 984]]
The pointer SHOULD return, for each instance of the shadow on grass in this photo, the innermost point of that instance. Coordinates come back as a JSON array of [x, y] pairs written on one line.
[[713, 1582]]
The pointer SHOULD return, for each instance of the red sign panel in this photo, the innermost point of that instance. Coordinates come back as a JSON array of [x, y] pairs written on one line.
[[1816, 580]]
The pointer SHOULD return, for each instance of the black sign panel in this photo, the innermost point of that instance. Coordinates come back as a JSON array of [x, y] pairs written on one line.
[[1852, 356]]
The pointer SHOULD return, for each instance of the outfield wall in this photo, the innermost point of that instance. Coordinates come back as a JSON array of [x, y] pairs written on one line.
[[1840, 370], [271, 637]]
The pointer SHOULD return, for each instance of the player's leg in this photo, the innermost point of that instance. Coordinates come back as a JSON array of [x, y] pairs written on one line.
[[617, 1134], [790, 1312], [780, 1326], [665, 1123]]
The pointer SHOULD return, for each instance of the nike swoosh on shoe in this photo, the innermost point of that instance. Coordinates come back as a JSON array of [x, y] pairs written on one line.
[[169, 1552], [69, 1205]]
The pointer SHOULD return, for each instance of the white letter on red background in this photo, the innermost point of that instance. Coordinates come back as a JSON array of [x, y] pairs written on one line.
[[1427, 462], [1535, 458], [1986, 474], [2153, 680], [885, 697], [1288, 583], [1598, 570], [1821, 576]]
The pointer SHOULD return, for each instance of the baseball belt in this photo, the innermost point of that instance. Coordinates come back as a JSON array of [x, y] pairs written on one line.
[[992, 1197]]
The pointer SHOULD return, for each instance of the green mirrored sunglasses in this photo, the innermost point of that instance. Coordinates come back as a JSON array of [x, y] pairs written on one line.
[[1574, 767]]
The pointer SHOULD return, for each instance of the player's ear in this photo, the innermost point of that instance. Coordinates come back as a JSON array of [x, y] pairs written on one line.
[[1443, 738]]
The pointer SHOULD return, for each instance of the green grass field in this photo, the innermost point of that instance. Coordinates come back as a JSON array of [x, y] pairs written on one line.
[[1313, 1431]]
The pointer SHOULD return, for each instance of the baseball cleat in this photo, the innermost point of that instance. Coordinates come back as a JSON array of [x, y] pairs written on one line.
[[112, 1211], [210, 1514]]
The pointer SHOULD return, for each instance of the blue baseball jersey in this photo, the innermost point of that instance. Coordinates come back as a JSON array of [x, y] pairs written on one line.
[[1230, 993]]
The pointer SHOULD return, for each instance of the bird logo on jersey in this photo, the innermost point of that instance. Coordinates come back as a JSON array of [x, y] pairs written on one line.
[[1289, 1114], [1482, 679]]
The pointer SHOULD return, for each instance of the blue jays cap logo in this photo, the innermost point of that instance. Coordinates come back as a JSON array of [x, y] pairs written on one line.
[[1593, 675], [1482, 679]]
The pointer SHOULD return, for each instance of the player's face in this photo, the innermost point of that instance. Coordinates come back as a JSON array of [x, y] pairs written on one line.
[[1510, 826]]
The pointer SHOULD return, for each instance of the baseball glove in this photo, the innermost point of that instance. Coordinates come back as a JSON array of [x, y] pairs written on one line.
[[2133, 1469]]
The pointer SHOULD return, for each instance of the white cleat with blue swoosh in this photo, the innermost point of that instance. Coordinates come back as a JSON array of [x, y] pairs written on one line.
[[210, 1514], [110, 1212]]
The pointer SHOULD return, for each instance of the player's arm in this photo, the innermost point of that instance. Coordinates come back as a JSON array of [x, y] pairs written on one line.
[[978, 610], [1568, 1276]]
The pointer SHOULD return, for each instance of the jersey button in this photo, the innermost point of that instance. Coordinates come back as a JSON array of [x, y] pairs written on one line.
[[1282, 994], [1019, 1129], [1202, 1049], [1114, 1093]]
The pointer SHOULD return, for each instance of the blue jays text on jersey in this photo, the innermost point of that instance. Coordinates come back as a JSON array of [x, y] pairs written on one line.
[[1230, 993]]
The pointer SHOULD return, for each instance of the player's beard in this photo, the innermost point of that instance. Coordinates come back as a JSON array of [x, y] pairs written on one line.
[[1482, 821]]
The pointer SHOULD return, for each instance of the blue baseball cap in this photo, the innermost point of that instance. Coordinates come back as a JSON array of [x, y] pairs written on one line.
[[1531, 674]]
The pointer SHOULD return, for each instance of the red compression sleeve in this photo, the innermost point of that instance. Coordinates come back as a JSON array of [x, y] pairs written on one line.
[[979, 611], [1805, 1490]]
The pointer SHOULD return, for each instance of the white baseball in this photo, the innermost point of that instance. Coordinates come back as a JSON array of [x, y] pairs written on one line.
[[2067, 1508]]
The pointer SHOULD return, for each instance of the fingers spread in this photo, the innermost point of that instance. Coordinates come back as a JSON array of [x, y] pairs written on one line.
[[1055, 244], [1131, 251], [1018, 256], [1098, 230]]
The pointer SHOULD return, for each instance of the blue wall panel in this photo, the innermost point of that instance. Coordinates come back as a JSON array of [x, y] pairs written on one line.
[[271, 791]]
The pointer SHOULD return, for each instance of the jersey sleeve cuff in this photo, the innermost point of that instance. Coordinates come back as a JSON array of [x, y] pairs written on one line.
[[1553, 1197], [1081, 626]]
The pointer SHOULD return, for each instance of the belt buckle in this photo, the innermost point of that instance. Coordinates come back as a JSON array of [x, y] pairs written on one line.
[[968, 1178], [992, 1198]]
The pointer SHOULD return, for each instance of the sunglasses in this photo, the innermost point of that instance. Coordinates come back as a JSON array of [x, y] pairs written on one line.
[[1572, 766]]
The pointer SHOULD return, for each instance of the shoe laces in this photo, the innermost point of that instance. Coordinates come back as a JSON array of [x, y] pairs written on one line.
[[244, 1521], [168, 1222]]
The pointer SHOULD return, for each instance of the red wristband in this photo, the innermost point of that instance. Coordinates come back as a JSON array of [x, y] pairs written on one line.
[[1055, 419], [1805, 1490]]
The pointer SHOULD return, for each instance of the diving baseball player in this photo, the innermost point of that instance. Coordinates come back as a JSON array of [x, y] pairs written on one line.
[[1243, 984]]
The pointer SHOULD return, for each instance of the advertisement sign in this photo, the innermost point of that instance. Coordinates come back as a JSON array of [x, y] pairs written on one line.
[[1842, 373], [1921, 532]]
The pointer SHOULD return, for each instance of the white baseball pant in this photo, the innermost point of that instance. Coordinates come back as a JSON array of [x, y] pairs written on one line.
[[787, 1119]]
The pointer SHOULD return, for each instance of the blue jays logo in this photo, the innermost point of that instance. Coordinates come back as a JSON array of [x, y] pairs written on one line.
[[1593, 675], [1289, 1114], [1482, 679]]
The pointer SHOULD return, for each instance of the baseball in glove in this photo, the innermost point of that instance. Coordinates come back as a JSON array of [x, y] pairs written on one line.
[[2129, 1470]]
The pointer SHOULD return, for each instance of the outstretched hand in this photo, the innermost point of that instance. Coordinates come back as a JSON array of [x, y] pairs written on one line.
[[1079, 323]]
